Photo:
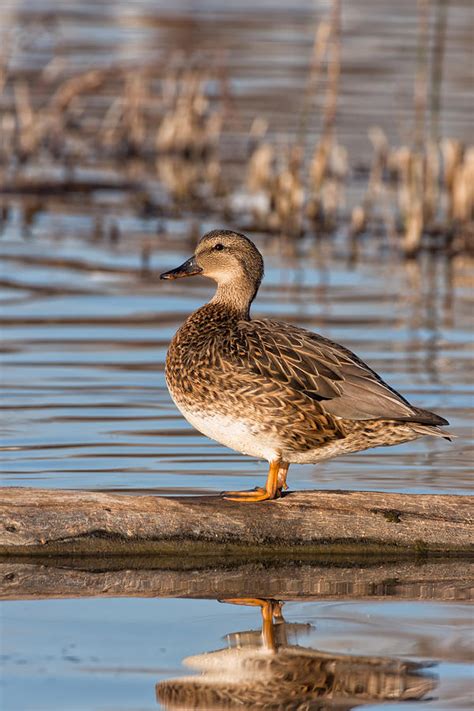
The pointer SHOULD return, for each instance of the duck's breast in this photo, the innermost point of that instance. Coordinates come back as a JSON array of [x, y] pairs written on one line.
[[231, 428]]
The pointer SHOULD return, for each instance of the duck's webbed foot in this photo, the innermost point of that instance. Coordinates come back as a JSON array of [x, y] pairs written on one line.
[[257, 494], [276, 482]]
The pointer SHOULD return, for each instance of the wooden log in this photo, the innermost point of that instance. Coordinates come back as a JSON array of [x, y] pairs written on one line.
[[311, 523], [37, 577]]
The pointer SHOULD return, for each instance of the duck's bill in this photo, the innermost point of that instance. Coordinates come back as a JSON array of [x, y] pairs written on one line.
[[189, 268]]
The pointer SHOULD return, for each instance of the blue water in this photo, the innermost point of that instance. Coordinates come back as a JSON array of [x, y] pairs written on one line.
[[109, 654]]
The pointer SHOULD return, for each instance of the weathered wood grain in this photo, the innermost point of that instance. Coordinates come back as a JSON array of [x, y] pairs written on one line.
[[40, 521], [33, 578]]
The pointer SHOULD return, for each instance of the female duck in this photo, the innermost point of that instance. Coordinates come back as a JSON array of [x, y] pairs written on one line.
[[269, 389]]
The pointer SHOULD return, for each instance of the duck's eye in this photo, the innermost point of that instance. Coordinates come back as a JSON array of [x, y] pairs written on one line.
[[219, 247]]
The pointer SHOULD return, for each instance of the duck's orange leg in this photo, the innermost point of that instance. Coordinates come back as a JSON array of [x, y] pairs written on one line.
[[272, 487], [268, 630], [270, 609], [281, 481]]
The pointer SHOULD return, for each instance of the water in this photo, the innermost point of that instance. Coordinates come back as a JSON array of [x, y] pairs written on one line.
[[85, 326], [85, 406], [85, 337], [110, 654]]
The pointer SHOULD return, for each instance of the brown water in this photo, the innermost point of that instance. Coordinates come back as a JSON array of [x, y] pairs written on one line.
[[85, 326]]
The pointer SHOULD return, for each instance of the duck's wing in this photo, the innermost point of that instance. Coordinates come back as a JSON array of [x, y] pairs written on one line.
[[324, 371]]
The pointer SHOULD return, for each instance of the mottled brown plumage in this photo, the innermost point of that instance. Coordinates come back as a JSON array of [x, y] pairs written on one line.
[[270, 389]]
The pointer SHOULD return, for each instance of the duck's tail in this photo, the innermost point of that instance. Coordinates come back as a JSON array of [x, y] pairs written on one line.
[[425, 422], [432, 430]]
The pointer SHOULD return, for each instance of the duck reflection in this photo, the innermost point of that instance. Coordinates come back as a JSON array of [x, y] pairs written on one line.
[[268, 669]]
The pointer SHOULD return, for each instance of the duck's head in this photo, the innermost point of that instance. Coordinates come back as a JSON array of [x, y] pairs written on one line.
[[231, 260]]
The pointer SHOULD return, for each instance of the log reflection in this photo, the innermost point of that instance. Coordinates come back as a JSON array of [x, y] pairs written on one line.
[[269, 669]]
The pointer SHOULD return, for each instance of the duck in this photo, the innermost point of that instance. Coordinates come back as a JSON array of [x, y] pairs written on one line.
[[270, 389]]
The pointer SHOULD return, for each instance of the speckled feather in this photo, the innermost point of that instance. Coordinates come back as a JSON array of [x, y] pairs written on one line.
[[287, 383]]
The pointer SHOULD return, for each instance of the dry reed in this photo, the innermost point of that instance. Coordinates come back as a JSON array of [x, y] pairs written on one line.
[[169, 125]]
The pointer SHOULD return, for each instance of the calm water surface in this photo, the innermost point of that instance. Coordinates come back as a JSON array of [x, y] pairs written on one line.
[[85, 337], [86, 406], [111, 654], [85, 326]]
